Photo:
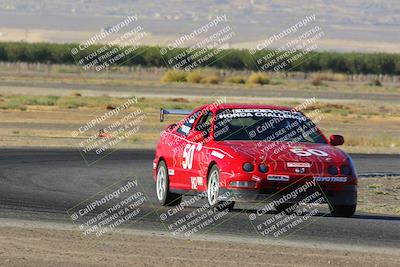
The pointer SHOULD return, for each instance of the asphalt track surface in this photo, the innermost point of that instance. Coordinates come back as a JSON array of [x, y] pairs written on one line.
[[41, 184]]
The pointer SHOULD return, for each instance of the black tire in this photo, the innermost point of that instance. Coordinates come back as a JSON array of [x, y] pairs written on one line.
[[166, 198], [214, 203], [342, 210]]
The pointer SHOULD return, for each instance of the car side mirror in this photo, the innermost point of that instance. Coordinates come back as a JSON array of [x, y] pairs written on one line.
[[336, 140]]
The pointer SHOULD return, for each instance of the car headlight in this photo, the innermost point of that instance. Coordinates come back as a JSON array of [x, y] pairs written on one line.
[[248, 167], [263, 168], [345, 170], [332, 170]]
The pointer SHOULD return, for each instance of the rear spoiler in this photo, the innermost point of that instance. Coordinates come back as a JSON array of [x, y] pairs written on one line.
[[173, 112]]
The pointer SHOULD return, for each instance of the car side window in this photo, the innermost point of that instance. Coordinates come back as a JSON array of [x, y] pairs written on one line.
[[204, 123], [186, 126]]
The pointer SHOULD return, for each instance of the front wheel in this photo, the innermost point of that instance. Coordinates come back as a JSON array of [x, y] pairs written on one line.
[[213, 191], [164, 196], [342, 210]]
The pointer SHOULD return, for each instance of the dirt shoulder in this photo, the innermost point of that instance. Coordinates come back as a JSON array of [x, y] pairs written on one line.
[[379, 195], [27, 244], [49, 121]]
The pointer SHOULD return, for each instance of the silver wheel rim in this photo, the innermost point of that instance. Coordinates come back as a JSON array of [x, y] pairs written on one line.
[[161, 183], [213, 188]]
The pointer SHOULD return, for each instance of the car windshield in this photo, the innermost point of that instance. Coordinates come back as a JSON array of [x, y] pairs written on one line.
[[265, 124]]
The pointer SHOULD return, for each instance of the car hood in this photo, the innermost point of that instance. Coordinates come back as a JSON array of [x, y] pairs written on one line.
[[284, 151]]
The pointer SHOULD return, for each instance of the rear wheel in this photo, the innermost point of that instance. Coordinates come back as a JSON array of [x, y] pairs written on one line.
[[342, 210], [164, 196], [213, 191]]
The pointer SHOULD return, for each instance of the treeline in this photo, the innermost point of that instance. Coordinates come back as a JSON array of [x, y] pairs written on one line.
[[351, 63]]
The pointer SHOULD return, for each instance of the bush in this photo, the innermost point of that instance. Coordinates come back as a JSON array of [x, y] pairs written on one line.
[[329, 62], [236, 79], [375, 82], [194, 77], [172, 76], [258, 78], [75, 94], [13, 104], [317, 81], [211, 79], [71, 102]]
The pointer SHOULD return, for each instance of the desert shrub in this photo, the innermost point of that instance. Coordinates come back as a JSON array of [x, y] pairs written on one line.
[[172, 76], [258, 78], [179, 99], [194, 77], [13, 104], [375, 82], [236, 79], [317, 81], [71, 102], [210, 79], [42, 100]]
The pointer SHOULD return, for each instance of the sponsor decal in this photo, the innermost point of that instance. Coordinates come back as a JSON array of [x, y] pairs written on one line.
[[196, 181], [298, 164], [300, 170], [330, 179], [278, 177], [255, 178], [171, 172], [217, 154], [262, 113]]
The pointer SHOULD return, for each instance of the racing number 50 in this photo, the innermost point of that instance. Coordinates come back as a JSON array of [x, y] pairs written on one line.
[[188, 156], [308, 152]]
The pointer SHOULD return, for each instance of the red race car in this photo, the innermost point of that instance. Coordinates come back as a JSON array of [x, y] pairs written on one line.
[[252, 153]]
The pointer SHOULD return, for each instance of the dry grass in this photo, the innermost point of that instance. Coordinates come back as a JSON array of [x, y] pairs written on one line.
[[379, 195], [137, 76], [258, 78], [210, 79], [317, 81], [236, 79], [174, 76], [329, 76], [345, 119], [194, 77]]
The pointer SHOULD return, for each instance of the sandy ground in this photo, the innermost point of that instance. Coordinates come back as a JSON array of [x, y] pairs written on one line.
[[379, 195], [25, 243], [52, 126]]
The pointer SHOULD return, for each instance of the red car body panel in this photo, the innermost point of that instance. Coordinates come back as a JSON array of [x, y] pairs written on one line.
[[282, 158]]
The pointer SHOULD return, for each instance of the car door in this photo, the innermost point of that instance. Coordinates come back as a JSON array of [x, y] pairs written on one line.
[[182, 155], [197, 152]]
